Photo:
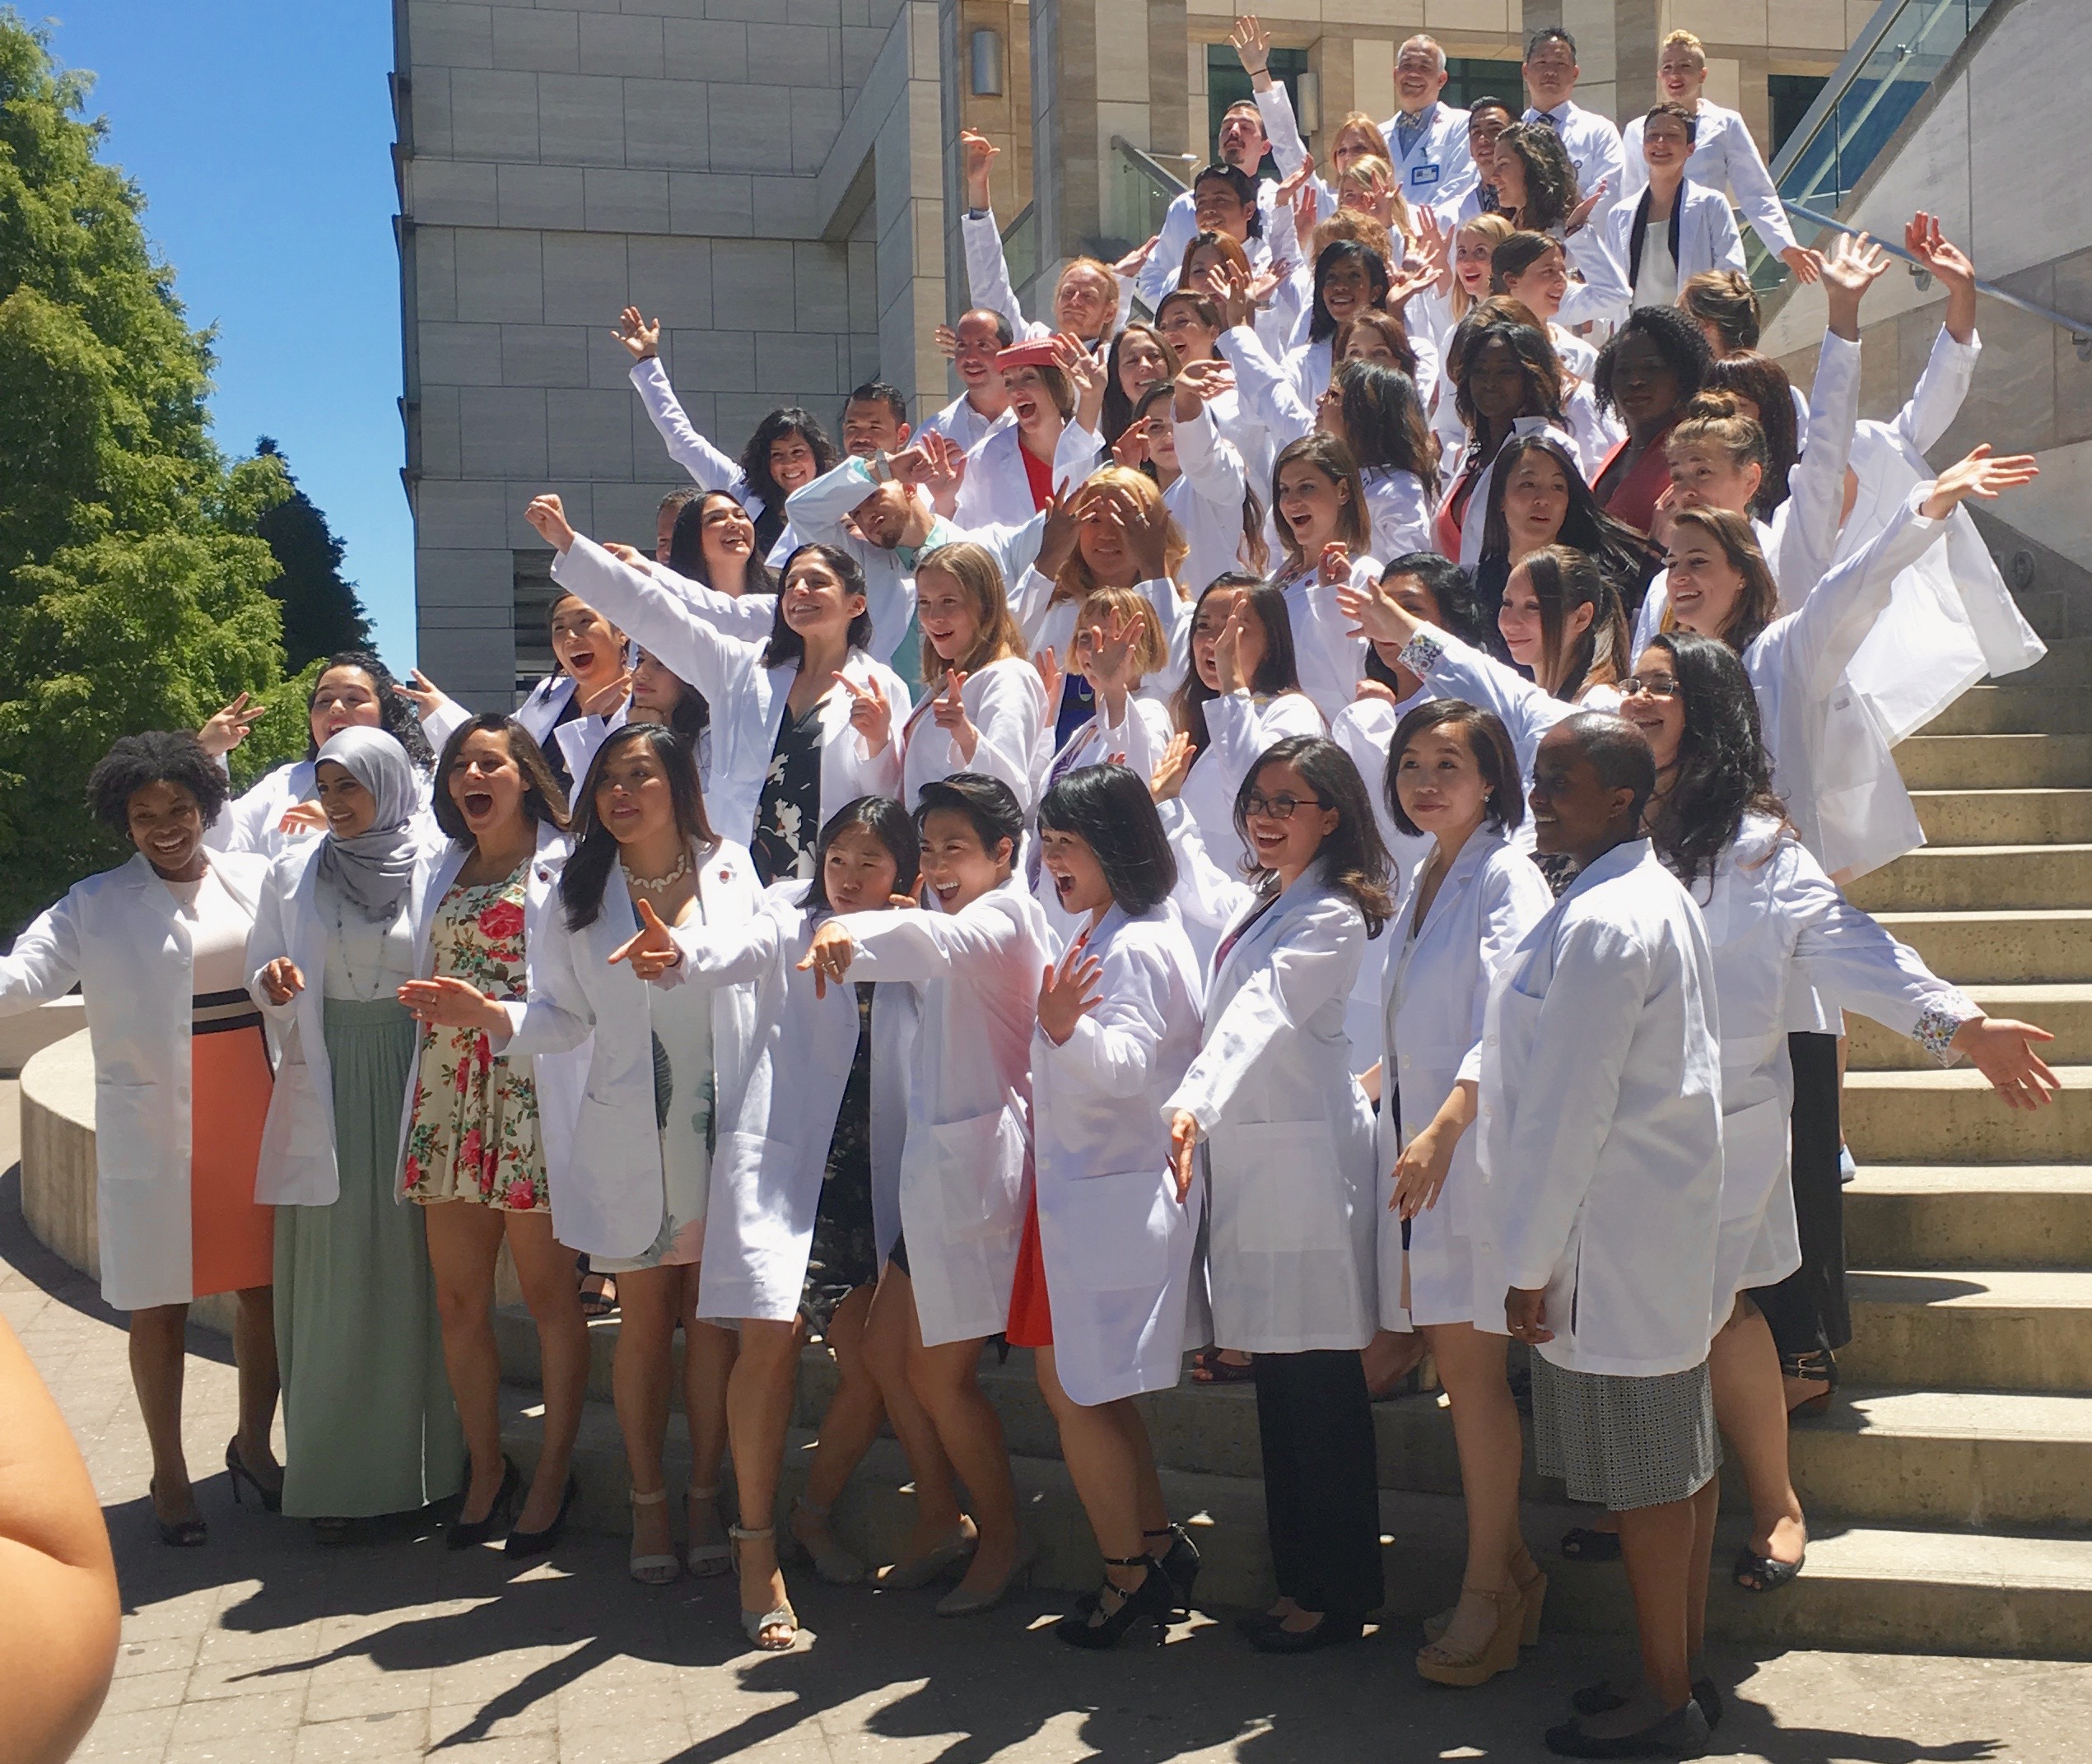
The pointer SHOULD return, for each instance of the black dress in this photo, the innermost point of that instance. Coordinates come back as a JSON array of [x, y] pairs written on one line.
[[788, 813], [845, 1255]]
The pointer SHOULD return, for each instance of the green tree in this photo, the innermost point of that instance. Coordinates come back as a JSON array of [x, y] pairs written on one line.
[[322, 615], [133, 577]]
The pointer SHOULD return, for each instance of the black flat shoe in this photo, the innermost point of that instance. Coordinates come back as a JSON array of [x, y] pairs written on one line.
[[1151, 1601], [464, 1534], [1269, 1634], [272, 1499], [179, 1533], [524, 1543], [1680, 1734], [1602, 1699], [1767, 1574], [1581, 1544]]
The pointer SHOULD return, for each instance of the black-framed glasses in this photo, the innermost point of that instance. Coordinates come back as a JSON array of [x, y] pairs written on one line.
[[1656, 685], [1257, 806]]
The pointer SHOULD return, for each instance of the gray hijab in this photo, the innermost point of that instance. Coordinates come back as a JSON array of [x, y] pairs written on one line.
[[369, 872]]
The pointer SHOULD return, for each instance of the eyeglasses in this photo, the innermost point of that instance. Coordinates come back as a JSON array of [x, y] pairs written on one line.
[[1258, 807], [1656, 685]]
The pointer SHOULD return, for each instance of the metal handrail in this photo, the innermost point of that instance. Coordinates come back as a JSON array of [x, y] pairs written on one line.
[[1165, 180], [2079, 329]]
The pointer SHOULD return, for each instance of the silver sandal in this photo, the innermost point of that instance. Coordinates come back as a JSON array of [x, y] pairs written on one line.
[[753, 1623], [652, 1571]]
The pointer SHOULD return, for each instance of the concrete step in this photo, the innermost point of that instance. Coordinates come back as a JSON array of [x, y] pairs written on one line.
[[1994, 762], [2003, 944], [1958, 1329], [1986, 1592], [2015, 710], [1946, 1216], [1919, 1117], [1977, 878], [2065, 1012], [2007, 817], [2067, 665]]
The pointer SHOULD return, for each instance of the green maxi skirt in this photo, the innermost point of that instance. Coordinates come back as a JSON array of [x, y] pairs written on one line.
[[368, 1419]]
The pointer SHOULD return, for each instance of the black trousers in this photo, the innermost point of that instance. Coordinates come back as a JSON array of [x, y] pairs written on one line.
[[1807, 1311], [1322, 1489]]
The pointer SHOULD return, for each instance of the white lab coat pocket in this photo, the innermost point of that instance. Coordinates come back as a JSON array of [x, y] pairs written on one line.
[[1116, 1228], [978, 1175], [1275, 1184], [128, 1130]]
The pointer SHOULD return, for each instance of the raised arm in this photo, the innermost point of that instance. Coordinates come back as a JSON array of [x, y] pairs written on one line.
[[705, 462], [987, 270], [1603, 293]]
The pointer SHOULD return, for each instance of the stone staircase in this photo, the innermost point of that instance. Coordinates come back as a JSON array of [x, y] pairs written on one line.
[[1950, 1489]]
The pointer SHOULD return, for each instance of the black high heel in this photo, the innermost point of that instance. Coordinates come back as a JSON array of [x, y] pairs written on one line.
[[1815, 1365], [521, 1544], [467, 1535], [177, 1533], [1181, 1562], [1150, 1600], [272, 1499]]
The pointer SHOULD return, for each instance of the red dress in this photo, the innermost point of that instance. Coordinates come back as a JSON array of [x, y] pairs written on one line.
[[1038, 476], [1031, 1313], [1633, 498]]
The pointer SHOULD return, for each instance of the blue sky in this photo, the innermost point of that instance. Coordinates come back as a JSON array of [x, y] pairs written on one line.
[[260, 135]]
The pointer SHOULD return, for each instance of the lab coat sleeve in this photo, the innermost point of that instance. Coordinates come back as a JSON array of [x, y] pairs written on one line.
[[1849, 957], [1315, 961], [1112, 1050], [1030, 597], [554, 1013], [1593, 253], [1211, 463], [1275, 107], [747, 617], [1457, 670], [1820, 640], [705, 462], [816, 510], [1608, 165], [987, 274], [1727, 241], [1515, 900], [1205, 894], [1266, 387], [45, 961], [908, 943], [1076, 455], [1158, 274], [728, 955], [1571, 1086], [270, 938], [445, 718], [1816, 487], [654, 616], [1752, 185], [1009, 716], [1936, 399]]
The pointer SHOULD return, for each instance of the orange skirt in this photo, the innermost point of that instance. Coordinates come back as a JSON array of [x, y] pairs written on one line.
[[1031, 1313], [232, 1241]]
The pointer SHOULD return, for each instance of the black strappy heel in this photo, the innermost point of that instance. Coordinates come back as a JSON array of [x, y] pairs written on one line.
[[1813, 1366], [1151, 1600], [272, 1499]]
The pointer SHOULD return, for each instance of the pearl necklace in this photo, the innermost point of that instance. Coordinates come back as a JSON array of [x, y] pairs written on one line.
[[657, 884]]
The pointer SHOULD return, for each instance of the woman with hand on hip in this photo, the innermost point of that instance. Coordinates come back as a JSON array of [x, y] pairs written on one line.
[[367, 1410], [1452, 772], [1118, 1018], [662, 1064], [474, 1142], [158, 950], [1289, 1165]]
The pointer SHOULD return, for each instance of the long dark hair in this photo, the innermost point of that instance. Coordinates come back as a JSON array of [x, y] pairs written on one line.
[[1354, 520], [595, 846], [1723, 771], [1278, 671], [1551, 189], [687, 546], [1537, 356], [543, 800], [888, 823], [1320, 324], [755, 465], [1383, 422], [786, 645], [1352, 857], [397, 716], [1488, 740], [1564, 579], [1109, 808], [1616, 547], [1118, 410]]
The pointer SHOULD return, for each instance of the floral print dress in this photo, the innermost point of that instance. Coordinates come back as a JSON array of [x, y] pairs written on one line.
[[788, 813], [474, 1134]]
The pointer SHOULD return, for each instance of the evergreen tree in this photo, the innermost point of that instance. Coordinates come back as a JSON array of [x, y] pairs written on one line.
[[322, 615], [132, 577]]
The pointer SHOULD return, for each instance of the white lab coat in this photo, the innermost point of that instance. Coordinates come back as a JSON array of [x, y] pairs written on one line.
[[1049, 624], [774, 1134], [709, 468], [961, 423], [1331, 661], [1707, 234], [1206, 499], [1725, 158], [748, 700], [1141, 736], [1439, 168], [1475, 513], [1775, 921], [606, 1195], [1432, 1006], [1951, 620], [989, 285], [1600, 1069], [1401, 510], [120, 936], [559, 1077], [1239, 729], [996, 491], [1117, 1245], [1593, 144], [966, 1164], [1288, 1135], [1006, 703]]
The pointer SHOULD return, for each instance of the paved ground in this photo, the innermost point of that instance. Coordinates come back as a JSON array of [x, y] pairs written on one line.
[[261, 1649]]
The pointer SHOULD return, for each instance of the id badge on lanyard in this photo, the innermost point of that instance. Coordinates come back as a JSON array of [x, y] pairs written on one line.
[[1423, 177]]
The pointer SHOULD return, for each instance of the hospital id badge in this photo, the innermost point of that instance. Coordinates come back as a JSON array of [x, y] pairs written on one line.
[[1421, 176]]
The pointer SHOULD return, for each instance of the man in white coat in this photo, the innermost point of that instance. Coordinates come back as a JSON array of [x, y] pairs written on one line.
[[1593, 143], [1599, 1076], [1428, 138]]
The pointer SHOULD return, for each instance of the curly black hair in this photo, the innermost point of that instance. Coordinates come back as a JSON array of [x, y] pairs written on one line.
[[791, 419], [397, 716], [1551, 188], [172, 756], [1722, 772], [1677, 338]]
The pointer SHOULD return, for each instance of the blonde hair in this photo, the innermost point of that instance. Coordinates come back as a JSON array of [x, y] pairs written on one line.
[[1685, 40], [980, 578], [1103, 272], [1358, 123], [1362, 172], [1076, 581], [1492, 227], [1150, 648]]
